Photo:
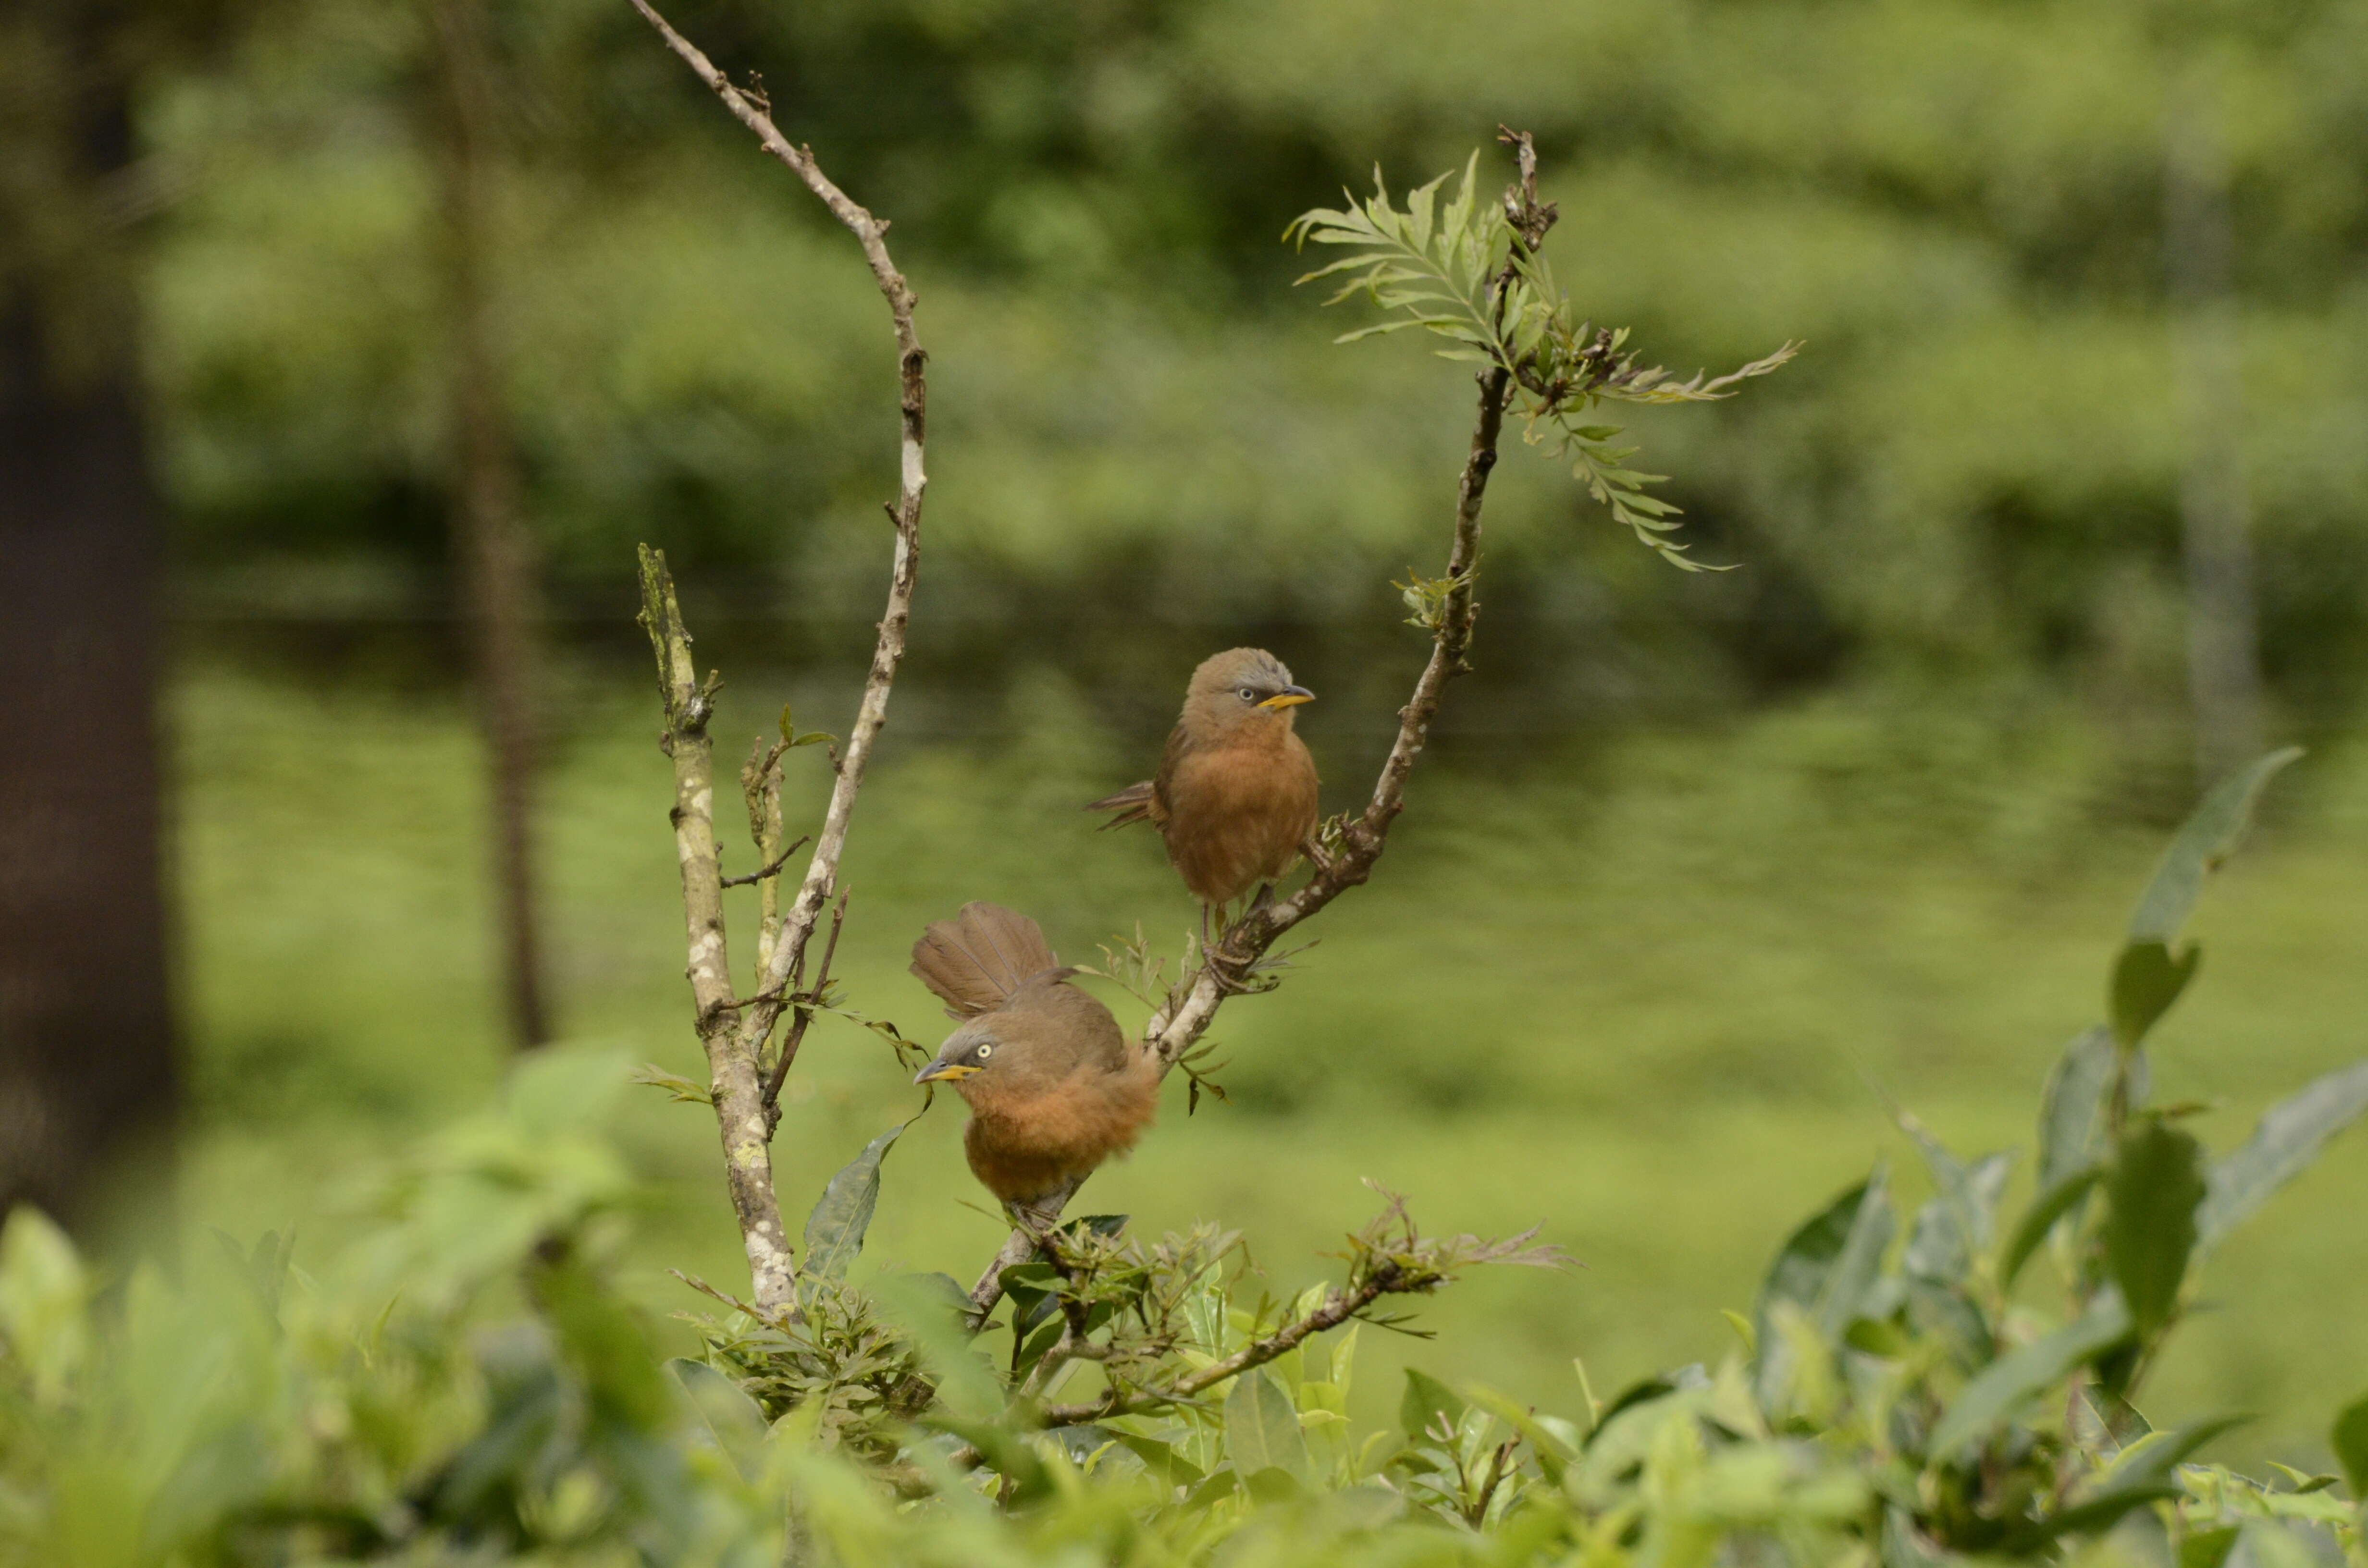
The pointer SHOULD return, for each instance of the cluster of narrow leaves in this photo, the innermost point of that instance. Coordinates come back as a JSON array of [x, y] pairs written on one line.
[[1472, 271]]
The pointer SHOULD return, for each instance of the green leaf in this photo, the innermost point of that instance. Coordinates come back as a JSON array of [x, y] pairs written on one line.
[[1826, 1266], [1553, 1455], [2208, 838], [1905, 1546], [677, 1086], [1030, 1287], [1424, 1398], [2349, 1440], [2289, 1137], [2013, 1379], [731, 1417], [1955, 1227], [2096, 1514], [44, 1290], [2147, 978], [2154, 1188], [1160, 1458], [2149, 1461], [1262, 1427], [2283, 1543], [939, 1324], [2206, 1548], [602, 1339], [2046, 1208], [835, 1230], [2072, 1112]]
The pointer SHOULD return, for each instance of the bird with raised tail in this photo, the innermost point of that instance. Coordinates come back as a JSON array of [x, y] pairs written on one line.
[[1234, 796], [1054, 1088]]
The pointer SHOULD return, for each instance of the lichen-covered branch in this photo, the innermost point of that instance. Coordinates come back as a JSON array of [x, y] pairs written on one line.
[[689, 703], [787, 933]]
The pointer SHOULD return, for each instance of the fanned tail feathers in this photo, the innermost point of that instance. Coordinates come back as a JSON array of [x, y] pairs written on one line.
[[1131, 804], [978, 957]]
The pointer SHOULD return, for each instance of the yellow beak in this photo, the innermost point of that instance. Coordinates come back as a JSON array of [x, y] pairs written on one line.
[[943, 1070], [1289, 696]]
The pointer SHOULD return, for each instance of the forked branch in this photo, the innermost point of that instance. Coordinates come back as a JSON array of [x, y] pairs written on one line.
[[1177, 1025], [735, 1030]]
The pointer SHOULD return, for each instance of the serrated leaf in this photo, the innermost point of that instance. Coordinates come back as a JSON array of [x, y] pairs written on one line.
[[1262, 1427], [2154, 1188], [2283, 1543], [835, 1227], [2072, 1108], [677, 1086], [730, 1416], [2051, 1205], [2288, 1138], [1826, 1266], [1425, 1399], [2349, 1439], [2147, 978], [2022, 1375], [2206, 839], [1552, 1454]]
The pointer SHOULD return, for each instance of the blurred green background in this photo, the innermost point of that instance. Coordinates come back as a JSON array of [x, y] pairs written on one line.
[[1705, 873]]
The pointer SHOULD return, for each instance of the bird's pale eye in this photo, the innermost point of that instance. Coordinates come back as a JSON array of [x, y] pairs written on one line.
[[985, 1051], [1247, 695]]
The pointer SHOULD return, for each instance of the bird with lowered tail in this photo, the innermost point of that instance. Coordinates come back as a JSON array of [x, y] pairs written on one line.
[[1234, 796]]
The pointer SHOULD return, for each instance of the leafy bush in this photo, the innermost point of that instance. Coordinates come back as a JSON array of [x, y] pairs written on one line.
[[1888, 1400]]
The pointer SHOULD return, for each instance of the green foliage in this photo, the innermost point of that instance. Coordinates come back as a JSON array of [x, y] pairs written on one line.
[[1898, 1403], [1472, 271]]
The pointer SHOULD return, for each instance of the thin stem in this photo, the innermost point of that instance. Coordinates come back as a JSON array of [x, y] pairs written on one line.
[[1337, 1308], [735, 1032], [1179, 1024], [690, 703]]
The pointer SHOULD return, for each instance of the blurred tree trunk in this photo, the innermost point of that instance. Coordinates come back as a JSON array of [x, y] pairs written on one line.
[[2223, 638], [88, 1088], [493, 548]]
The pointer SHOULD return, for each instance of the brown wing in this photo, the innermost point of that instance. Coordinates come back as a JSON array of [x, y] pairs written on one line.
[[1132, 804], [1146, 802], [977, 958]]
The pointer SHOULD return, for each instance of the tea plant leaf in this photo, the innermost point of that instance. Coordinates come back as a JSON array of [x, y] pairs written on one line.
[[730, 1416], [2349, 1440], [2147, 978], [2046, 1208], [1826, 1266], [2155, 1186], [2289, 1137], [840, 1217], [1262, 1427], [2206, 839], [2072, 1112], [2283, 1543], [1425, 1399], [2007, 1383]]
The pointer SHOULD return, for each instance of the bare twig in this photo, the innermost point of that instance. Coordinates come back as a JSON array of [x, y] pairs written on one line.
[[772, 871], [1176, 1026], [822, 872], [800, 1019], [737, 1049]]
